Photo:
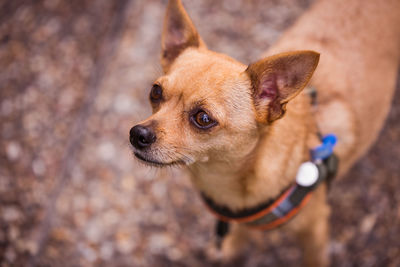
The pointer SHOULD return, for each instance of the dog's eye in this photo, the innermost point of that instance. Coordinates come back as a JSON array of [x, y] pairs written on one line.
[[202, 120], [156, 93]]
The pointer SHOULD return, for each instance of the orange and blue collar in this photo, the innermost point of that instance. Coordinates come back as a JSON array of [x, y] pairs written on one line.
[[276, 212]]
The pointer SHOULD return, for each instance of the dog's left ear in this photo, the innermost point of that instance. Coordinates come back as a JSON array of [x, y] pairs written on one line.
[[178, 34], [277, 79]]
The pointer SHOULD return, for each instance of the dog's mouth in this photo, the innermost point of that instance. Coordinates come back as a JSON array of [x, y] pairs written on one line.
[[156, 163]]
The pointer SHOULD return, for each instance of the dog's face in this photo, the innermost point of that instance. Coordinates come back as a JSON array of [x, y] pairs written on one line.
[[200, 106], [208, 106]]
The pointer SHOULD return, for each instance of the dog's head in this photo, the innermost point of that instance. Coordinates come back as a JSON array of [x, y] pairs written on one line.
[[208, 106]]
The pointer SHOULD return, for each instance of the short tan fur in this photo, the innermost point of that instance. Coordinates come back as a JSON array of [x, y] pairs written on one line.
[[259, 125]]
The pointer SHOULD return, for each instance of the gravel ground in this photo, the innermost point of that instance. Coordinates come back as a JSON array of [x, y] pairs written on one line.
[[75, 77]]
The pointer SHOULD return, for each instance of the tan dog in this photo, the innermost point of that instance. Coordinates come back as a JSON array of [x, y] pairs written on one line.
[[243, 131]]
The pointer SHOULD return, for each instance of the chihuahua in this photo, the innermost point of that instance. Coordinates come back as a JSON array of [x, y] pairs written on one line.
[[243, 131]]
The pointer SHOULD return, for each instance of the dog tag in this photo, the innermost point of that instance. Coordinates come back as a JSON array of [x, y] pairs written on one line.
[[307, 174], [221, 230]]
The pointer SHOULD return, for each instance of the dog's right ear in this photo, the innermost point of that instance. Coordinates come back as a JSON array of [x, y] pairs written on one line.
[[178, 34]]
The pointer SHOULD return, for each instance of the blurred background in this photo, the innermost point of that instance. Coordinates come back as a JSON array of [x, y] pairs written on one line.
[[74, 79]]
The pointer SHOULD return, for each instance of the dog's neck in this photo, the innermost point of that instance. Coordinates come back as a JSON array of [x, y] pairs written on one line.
[[248, 181]]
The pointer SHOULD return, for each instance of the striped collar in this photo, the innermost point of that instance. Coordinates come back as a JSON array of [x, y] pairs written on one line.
[[276, 212]]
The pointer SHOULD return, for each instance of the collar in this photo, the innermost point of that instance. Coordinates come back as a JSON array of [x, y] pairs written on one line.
[[275, 212]]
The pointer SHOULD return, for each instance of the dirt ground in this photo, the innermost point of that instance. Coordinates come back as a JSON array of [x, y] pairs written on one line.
[[74, 79]]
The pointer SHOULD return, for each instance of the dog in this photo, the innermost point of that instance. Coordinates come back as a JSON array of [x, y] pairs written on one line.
[[244, 131]]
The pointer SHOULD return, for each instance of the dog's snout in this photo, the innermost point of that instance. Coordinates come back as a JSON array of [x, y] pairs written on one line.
[[141, 136]]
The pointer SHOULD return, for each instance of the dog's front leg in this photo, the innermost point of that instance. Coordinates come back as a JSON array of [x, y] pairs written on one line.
[[313, 236]]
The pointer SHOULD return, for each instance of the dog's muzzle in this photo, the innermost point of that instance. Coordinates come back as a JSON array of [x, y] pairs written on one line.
[[141, 137]]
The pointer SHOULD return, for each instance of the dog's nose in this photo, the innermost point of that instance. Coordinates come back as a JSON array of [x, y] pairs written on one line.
[[141, 136]]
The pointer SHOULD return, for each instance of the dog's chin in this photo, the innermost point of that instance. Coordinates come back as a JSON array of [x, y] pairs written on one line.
[[156, 163]]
